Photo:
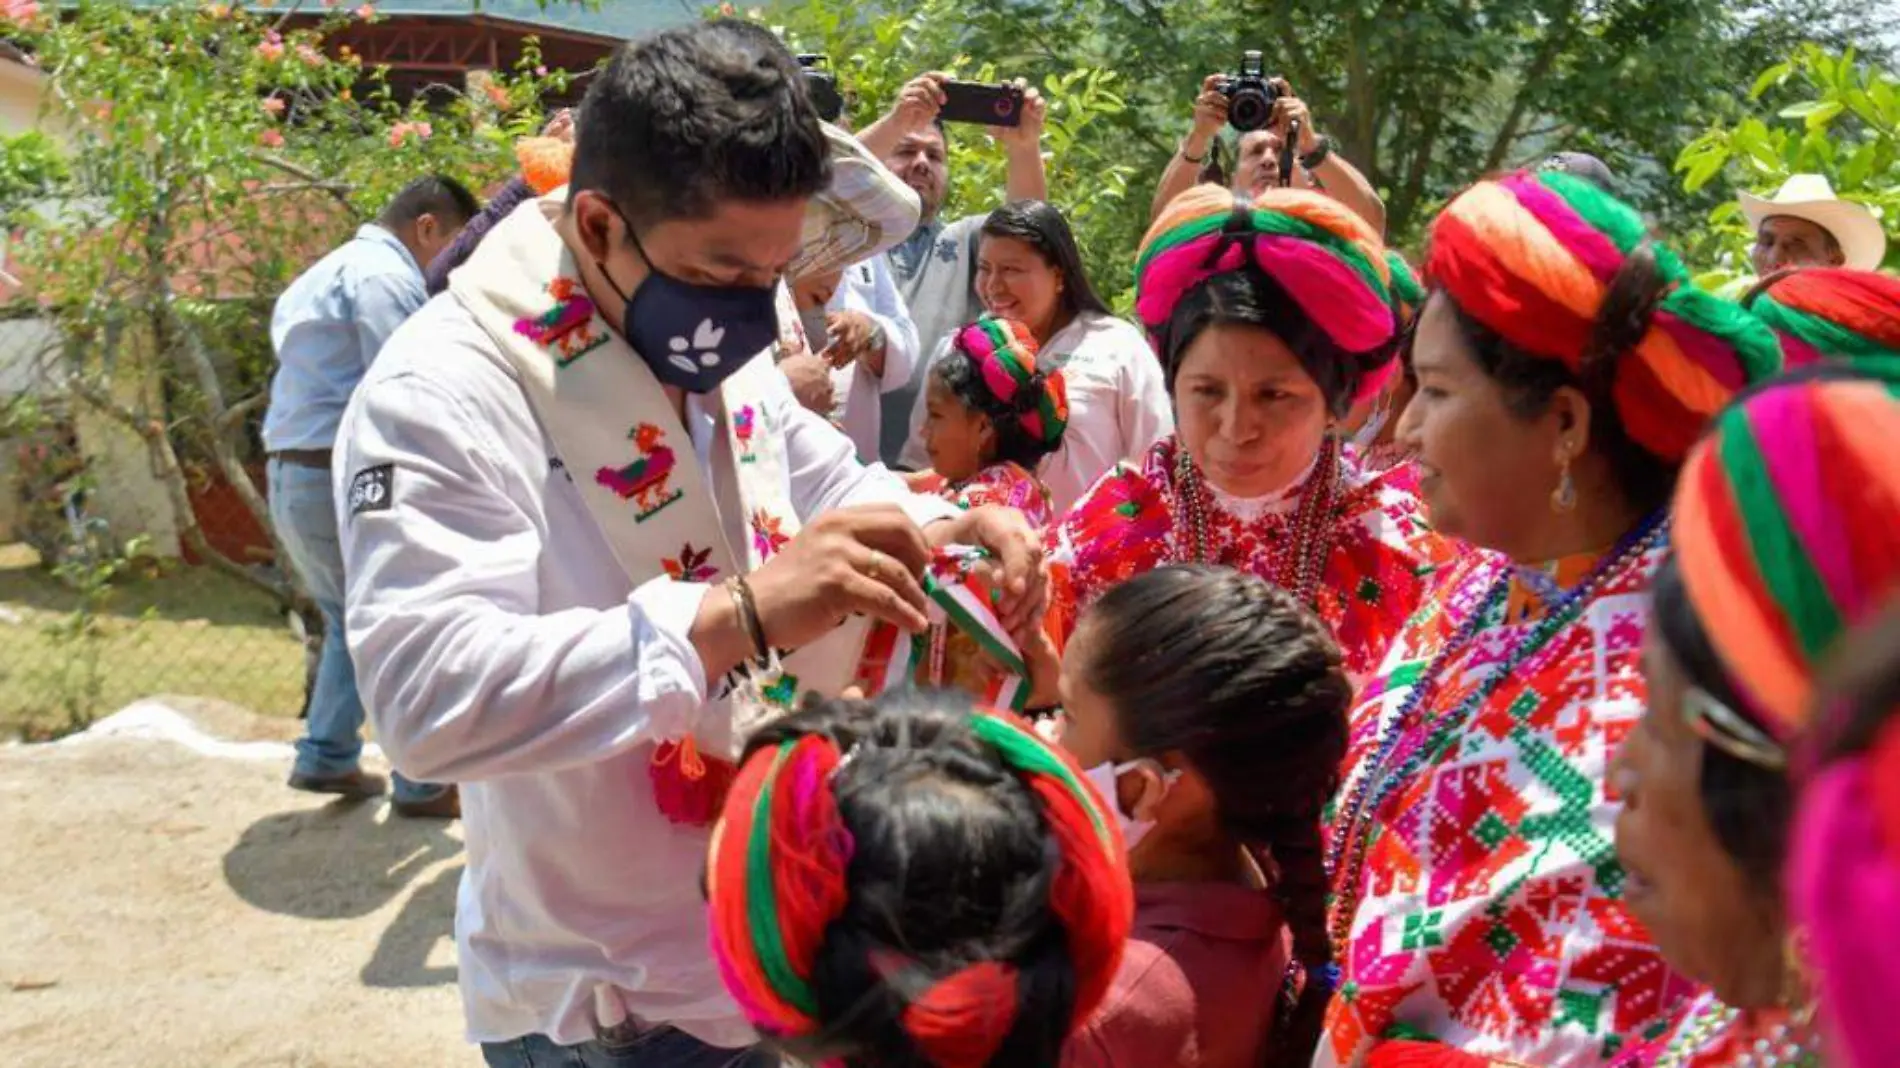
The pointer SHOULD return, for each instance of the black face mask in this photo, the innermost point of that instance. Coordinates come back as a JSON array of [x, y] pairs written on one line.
[[693, 336]]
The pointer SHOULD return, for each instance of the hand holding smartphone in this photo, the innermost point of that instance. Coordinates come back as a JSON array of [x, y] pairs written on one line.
[[981, 103]]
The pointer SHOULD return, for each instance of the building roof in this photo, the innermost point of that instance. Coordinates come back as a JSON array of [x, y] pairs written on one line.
[[609, 20]]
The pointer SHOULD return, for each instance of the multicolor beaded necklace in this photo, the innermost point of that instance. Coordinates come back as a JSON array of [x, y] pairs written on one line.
[[1789, 1045], [1430, 735], [1298, 563]]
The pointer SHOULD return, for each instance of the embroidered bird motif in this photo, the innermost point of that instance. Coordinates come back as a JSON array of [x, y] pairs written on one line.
[[644, 480]]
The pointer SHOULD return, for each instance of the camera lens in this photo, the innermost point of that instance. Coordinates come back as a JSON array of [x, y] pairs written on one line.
[[1250, 109]]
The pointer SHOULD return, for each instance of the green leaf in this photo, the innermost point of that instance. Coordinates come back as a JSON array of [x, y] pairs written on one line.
[[1702, 170], [1773, 76], [1824, 114]]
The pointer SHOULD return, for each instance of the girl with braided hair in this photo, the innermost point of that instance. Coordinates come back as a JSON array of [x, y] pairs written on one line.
[[992, 412], [1565, 365], [914, 883], [1211, 708], [1272, 316]]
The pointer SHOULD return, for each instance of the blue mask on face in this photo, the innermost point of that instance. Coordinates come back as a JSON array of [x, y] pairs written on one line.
[[692, 336]]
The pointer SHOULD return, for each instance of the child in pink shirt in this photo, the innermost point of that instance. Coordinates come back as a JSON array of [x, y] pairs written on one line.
[[1210, 708]]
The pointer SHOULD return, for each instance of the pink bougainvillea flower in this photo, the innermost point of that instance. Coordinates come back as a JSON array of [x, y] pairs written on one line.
[[424, 131], [497, 95], [540, 72], [20, 11], [367, 11], [271, 139], [310, 56], [274, 105], [398, 134], [271, 48], [218, 11]]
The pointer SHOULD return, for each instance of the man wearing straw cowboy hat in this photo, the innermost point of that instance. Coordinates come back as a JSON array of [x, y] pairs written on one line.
[[1805, 225]]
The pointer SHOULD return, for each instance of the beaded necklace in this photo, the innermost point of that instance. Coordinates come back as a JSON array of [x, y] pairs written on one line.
[[1346, 855], [1297, 564], [1787, 1046]]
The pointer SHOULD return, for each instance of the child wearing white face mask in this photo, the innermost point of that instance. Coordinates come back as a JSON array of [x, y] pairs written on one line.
[[1210, 708]]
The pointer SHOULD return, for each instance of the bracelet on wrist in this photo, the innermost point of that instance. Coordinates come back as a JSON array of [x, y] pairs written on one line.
[[1181, 150], [748, 609], [1321, 150]]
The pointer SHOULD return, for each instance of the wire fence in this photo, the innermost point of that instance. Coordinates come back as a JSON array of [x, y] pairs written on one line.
[[101, 601]]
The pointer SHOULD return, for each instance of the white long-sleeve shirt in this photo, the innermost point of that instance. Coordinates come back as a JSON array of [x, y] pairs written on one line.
[[1118, 404], [499, 645], [869, 288]]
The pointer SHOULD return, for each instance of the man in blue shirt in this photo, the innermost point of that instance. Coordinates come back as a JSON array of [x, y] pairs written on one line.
[[326, 329]]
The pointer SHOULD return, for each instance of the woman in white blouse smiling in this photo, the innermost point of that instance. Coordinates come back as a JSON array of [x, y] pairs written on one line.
[[1029, 269]]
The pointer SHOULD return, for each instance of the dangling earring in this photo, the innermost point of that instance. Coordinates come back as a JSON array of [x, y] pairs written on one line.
[[1563, 499], [1797, 985]]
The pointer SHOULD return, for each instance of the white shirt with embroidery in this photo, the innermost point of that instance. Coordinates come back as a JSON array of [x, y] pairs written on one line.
[[499, 646]]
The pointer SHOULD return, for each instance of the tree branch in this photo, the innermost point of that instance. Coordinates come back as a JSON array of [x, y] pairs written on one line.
[[315, 180], [1529, 83]]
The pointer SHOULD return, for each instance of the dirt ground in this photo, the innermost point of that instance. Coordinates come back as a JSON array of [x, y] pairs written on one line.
[[170, 907]]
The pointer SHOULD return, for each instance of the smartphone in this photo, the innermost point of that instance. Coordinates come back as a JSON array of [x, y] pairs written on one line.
[[987, 105]]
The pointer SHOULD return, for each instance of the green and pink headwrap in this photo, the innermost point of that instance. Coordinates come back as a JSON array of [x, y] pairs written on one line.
[[1834, 314], [1327, 259], [1003, 352], [1532, 256]]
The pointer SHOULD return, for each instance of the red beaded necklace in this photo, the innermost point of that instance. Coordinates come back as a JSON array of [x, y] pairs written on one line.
[[1298, 562]]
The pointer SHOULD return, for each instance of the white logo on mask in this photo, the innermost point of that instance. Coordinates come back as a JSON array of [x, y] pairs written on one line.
[[705, 343]]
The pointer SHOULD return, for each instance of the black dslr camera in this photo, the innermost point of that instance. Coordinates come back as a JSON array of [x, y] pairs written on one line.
[[822, 86], [1250, 96]]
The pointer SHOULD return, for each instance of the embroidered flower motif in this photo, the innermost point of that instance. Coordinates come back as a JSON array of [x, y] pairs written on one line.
[[691, 565], [743, 426], [767, 538]]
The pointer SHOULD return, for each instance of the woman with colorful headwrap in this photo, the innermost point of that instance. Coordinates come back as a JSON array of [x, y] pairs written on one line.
[[1784, 539], [1029, 269], [1565, 365], [1834, 314], [1271, 316], [915, 883], [1844, 874]]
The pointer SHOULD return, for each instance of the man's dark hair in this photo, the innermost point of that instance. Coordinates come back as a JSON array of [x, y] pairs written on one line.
[[685, 118], [437, 195]]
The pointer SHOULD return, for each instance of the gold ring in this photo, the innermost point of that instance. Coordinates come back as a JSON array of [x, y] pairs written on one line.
[[876, 565]]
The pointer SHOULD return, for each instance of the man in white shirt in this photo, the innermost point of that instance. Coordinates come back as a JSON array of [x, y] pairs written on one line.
[[499, 546]]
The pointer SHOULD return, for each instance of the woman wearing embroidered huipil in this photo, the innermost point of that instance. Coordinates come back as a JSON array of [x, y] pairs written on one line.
[[1565, 364], [1784, 538], [1271, 316]]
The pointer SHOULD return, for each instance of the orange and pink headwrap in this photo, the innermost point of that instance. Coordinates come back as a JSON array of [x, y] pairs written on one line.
[[1785, 533], [1327, 259], [1531, 257], [1003, 352], [779, 875]]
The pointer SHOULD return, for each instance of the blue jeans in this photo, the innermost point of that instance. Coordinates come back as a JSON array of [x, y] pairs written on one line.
[[661, 1047], [304, 512]]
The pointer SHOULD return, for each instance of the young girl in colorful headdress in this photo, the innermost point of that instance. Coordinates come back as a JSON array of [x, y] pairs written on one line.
[[990, 416], [914, 883]]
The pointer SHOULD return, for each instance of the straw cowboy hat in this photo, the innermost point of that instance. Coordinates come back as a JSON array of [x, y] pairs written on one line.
[[1810, 197]]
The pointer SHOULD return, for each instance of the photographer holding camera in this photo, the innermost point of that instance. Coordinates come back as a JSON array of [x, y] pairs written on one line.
[[1243, 100]]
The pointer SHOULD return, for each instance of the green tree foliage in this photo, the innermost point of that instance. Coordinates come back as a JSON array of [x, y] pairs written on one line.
[[1422, 95], [1818, 112], [207, 154]]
